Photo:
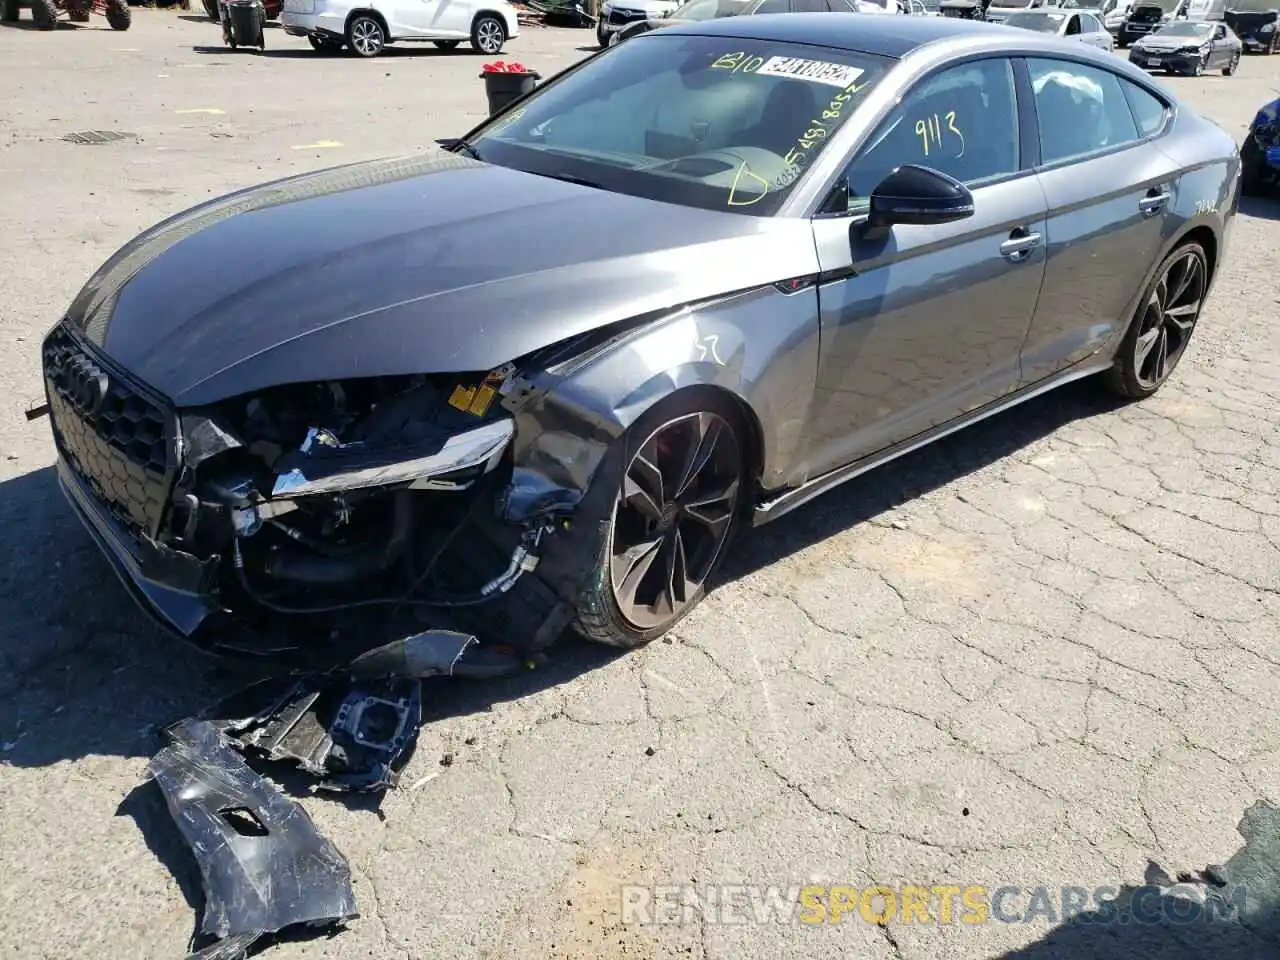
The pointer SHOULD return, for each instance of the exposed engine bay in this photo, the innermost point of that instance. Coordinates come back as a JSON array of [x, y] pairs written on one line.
[[342, 495]]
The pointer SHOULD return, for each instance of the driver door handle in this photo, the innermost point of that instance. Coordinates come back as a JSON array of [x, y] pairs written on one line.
[[1153, 203], [1019, 245]]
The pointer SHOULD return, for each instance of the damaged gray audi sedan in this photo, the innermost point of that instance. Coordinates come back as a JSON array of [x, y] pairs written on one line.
[[694, 280]]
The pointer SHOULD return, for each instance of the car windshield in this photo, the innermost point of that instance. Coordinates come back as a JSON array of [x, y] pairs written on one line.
[[1253, 6], [1007, 4], [1185, 29], [1164, 6], [708, 9], [717, 122], [1042, 22]]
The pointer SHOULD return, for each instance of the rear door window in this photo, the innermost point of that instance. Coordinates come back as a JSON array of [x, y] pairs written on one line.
[[1079, 109]]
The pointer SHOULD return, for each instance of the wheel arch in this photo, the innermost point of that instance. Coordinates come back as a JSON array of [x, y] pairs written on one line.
[[371, 13], [496, 14]]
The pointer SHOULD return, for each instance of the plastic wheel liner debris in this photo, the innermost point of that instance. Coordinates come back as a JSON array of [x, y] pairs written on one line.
[[263, 863], [353, 728]]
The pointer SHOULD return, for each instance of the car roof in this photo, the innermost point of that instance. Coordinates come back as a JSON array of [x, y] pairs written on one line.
[[887, 36]]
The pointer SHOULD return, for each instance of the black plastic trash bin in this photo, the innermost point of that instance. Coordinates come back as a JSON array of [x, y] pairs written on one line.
[[503, 88], [243, 23]]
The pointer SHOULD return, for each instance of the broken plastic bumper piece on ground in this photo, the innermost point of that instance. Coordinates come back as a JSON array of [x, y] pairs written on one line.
[[264, 865], [355, 728]]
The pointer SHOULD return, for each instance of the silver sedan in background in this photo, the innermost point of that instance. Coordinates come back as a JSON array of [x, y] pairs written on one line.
[[1083, 25]]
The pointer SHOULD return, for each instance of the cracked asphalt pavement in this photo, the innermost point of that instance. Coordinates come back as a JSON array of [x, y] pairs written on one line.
[[1042, 651]]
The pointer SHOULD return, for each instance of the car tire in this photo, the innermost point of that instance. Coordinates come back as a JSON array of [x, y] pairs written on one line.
[[488, 34], [1251, 184], [1159, 334], [366, 36], [44, 14], [1232, 65], [8, 11], [446, 44], [211, 10], [324, 45], [639, 545], [119, 16], [602, 36]]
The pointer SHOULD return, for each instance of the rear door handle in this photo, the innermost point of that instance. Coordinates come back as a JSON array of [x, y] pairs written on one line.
[[1153, 203], [1019, 246]]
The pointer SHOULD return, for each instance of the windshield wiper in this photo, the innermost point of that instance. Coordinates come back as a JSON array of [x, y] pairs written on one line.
[[570, 178], [458, 145]]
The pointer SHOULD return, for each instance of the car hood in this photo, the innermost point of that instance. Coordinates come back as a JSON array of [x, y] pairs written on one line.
[[416, 265], [1169, 44]]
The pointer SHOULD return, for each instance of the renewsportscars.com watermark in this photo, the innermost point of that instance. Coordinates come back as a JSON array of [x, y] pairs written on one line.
[[816, 904]]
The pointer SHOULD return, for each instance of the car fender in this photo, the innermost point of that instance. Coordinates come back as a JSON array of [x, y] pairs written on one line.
[[758, 346]]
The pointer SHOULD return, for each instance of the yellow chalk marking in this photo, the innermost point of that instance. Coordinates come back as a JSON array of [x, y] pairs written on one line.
[[318, 145], [214, 111]]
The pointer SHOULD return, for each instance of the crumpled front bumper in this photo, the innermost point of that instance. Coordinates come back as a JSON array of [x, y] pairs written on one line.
[[176, 589], [1161, 60]]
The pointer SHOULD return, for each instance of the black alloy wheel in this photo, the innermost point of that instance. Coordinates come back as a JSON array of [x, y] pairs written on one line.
[[672, 517], [1160, 332]]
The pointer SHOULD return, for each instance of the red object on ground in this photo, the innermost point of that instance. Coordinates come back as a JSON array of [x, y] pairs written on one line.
[[501, 66]]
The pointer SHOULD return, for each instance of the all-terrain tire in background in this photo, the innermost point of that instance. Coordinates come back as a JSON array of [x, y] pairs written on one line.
[[488, 34], [8, 11], [78, 11], [446, 44], [44, 13], [119, 16], [1162, 325], [677, 479]]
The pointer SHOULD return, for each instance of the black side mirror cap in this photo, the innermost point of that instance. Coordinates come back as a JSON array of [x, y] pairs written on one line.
[[918, 195]]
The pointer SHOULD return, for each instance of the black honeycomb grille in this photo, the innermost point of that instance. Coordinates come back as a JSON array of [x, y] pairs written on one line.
[[120, 442]]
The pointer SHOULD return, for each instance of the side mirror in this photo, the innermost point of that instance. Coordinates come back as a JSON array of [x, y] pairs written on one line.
[[919, 195]]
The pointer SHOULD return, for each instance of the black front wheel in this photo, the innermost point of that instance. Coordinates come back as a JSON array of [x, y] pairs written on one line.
[[666, 503], [1163, 324], [119, 16], [324, 44], [44, 13], [1251, 160]]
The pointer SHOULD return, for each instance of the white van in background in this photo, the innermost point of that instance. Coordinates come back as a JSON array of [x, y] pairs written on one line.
[[1206, 10], [1114, 12]]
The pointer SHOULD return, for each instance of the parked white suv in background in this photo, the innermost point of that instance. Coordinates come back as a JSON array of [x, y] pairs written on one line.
[[365, 28]]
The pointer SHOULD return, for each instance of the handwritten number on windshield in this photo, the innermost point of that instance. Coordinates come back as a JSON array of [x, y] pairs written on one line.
[[819, 127], [931, 132], [738, 63]]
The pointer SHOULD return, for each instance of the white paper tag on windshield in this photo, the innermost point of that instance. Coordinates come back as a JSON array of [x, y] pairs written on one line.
[[816, 71]]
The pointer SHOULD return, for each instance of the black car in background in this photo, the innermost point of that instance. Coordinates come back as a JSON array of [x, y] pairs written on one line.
[[1255, 22], [1146, 17]]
